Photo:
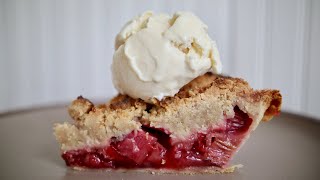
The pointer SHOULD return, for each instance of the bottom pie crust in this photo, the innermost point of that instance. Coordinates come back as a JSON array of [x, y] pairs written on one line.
[[186, 171]]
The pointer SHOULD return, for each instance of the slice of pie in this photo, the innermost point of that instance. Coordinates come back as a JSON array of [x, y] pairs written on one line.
[[201, 127]]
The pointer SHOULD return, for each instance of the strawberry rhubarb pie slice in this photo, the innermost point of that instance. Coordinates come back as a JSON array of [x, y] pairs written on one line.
[[203, 125], [174, 112]]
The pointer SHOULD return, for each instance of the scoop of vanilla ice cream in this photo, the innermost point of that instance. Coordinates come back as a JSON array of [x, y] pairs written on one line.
[[156, 55]]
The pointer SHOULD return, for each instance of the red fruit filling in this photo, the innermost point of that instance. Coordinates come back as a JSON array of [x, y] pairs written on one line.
[[152, 148]]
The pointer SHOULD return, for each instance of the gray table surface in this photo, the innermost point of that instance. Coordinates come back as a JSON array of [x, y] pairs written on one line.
[[287, 147]]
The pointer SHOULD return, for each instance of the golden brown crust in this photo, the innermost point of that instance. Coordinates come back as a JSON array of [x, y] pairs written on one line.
[[203, 103], [186, 171], [96, 125], [274, 99], [80, 107]]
